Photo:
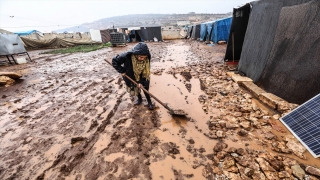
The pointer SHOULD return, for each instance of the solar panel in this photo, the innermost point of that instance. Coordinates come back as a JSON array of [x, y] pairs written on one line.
[[304, 123]]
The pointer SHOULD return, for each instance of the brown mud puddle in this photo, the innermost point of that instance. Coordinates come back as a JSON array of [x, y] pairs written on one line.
[[70, 118]]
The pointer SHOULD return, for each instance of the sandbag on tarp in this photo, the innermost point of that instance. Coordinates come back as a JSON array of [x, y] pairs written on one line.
[[56, 42], [292, 71], [260, 34], [221, 29], [11, 44]]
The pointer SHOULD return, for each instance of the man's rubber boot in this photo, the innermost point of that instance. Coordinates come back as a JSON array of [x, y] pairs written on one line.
[[150, 106]]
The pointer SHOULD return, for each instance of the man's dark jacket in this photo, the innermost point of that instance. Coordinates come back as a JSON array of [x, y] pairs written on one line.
[[123, 63]]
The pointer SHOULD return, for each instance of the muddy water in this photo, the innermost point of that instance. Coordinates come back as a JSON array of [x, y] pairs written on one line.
[[70, 118]]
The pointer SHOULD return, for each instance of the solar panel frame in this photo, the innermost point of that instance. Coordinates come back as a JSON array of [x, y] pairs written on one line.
[[304, 123]]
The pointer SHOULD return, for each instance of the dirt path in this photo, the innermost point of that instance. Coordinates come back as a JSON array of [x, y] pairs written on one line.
[[70, 118]]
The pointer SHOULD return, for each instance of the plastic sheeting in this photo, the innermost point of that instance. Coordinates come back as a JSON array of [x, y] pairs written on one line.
[[11, 44], [209, 30], [95, 35], [221, 29], [56, 42], [24, 33], [292, 70], [205, 30]]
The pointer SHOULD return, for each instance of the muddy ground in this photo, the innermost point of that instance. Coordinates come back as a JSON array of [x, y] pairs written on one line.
[[69, 117]]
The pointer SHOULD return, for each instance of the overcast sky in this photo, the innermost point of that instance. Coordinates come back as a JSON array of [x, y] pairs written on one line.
[[49, 15]]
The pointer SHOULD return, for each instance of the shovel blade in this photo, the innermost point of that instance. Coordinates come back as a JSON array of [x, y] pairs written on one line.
[[178, 112]]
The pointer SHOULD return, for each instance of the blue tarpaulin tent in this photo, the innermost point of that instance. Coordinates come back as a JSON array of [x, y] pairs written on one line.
[[204, 33], [221, 30], [25, 33]]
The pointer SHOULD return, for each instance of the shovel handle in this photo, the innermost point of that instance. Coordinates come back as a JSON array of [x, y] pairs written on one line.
[[146, 91]]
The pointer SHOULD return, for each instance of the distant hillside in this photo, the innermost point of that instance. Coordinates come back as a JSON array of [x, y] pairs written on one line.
[[144, 20]]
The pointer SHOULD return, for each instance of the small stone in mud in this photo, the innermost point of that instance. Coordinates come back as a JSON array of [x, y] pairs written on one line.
[[147, 162], [191, 141], [188, 175], [242, 132], [182, 158], [115, 136], [77, 139], [202, 150], [223, 93]]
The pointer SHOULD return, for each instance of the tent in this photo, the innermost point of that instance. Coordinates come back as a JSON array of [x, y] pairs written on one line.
[[205, 30], [10, 44], [281, 48], [238, 30], [195, 32], [151, 33], [221, 29], [189, 32], [209, 30]]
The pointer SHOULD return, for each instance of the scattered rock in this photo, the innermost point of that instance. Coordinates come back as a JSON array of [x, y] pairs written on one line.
[[313, 170], [298, 172], [242, 132]]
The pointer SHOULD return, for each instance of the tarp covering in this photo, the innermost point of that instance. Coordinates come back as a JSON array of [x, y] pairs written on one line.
[[24, 33], [105, 35], [209, 30], [95, 35], [293, 68], [56, 42], [11, 44], [221, 29], [260, 34], [195, 32], [237, 33], [203, 31]]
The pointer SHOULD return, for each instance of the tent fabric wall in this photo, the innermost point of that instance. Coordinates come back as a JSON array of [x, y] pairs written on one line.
[[221, 29], [56, 42], [293, 68], [209, 30], [260, 34], [95, 35], [189, 32], [195, 32], [203, 31], [237, 33], [149, 33], [154, 32], [105, 35], [11, 44]]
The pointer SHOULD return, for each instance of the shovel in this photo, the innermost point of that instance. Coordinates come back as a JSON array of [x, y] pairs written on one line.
[[178, 112]]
